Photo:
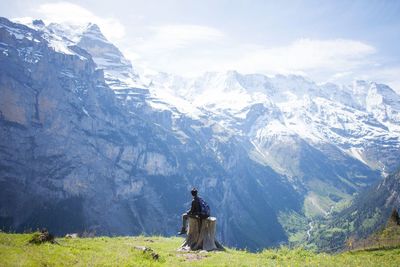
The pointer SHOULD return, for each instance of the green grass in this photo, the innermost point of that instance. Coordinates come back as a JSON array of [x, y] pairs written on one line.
[[15, 250], [295, 226]]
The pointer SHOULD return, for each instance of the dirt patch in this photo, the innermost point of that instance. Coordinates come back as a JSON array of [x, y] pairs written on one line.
[[193, 256]]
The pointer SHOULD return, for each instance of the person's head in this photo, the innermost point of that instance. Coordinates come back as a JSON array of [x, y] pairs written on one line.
[[194, 192]]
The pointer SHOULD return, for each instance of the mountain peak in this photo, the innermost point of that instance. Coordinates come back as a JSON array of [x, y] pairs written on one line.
[[232, 73], [93, 32], [38, 23], [93, 27]]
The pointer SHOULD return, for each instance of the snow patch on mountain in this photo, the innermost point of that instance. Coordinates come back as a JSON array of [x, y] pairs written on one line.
[[351, 117]]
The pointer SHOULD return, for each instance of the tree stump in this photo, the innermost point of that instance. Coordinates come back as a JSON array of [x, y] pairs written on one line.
[[201, 235]]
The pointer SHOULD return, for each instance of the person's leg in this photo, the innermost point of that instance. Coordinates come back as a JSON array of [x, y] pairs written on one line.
[[184, 223], [184, 220]]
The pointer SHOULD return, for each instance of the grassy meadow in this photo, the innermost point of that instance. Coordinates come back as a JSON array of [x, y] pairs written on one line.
[[15, 250]]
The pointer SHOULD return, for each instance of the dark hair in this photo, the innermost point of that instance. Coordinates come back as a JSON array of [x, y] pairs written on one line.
[[193, 191]]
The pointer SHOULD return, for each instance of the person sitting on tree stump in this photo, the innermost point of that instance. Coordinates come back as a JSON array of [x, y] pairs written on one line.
[[199, 209]]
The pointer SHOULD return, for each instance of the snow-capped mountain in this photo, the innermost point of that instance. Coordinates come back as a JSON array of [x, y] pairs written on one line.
[[295, 126], [82, 133], [353, 118]]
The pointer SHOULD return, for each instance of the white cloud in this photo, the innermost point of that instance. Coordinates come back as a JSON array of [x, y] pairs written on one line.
[[178, 36], [169, 37], [308, 54], [67, 12], [173, 48], [191, 50]]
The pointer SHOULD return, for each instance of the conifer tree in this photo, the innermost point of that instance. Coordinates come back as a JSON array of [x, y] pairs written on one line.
[[394, 218]]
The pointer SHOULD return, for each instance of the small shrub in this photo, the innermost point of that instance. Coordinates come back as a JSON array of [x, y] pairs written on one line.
[[42, 237]]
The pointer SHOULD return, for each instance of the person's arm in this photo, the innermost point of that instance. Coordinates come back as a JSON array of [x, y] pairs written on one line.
[[192, 208]]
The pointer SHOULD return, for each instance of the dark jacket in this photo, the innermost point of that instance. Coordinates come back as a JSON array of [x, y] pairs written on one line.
[[195, 209]]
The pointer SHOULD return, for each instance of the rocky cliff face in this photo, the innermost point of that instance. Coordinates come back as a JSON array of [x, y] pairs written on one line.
[[86, 146], [65, 141]]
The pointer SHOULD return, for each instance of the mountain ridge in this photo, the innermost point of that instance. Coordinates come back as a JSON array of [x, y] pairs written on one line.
[[366, 216]]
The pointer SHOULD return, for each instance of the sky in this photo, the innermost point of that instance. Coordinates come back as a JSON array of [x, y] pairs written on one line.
[[327, 41]]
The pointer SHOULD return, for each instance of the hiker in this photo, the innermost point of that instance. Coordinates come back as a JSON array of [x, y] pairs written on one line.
[[199, 209]]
